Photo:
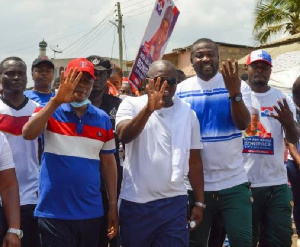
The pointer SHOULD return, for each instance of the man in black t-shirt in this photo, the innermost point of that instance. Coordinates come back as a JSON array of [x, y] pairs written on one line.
[[109, 104]]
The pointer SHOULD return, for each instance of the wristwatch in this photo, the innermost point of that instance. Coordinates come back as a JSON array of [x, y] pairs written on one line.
[[236, 98], [18, 232], [200, 204]]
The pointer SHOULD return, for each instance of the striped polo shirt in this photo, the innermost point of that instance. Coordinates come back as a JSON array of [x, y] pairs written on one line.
[[69, 186]]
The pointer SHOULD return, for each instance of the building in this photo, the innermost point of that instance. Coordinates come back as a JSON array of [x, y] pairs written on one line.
[[180, 57], [285, 53]]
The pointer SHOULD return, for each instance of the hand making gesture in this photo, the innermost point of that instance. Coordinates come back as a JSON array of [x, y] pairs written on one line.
[[155, 94], [231, 77], [65, 93], [284, 114]]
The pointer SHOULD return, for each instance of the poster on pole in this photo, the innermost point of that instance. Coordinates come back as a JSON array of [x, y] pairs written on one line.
[[154, 42]]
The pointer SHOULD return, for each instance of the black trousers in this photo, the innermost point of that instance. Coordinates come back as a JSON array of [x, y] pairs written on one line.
[[69, 233], [29, 226]]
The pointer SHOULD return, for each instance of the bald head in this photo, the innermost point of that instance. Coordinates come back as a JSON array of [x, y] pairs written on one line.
[[296, 87], [296, 91], [167, 73], [162, 67]]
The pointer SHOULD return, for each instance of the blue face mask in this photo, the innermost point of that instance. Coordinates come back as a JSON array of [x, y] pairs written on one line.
[[79, 104]]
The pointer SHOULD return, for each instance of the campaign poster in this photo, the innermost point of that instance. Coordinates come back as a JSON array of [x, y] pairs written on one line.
[[256, 138], [154, 42]]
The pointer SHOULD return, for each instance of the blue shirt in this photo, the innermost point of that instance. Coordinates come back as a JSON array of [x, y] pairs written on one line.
[[41, 98], [69, 186]]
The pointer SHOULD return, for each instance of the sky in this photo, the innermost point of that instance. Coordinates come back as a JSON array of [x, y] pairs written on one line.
[[81, 28]]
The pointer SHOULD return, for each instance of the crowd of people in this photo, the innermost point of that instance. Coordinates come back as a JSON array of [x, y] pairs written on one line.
[[88, 160]]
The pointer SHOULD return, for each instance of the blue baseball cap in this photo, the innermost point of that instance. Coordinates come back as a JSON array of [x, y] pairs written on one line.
[[259, 55]]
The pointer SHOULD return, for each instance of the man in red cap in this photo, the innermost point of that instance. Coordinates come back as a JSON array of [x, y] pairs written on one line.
[[264, 154], [77, 137]]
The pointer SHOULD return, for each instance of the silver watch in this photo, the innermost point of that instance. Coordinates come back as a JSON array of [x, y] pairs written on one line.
[[18, 232], [200, 204]]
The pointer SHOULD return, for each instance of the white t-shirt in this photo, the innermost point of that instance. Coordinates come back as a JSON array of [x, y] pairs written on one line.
[[263, 145], [148, 158], [6, 159], [222, 142], [25, 152]]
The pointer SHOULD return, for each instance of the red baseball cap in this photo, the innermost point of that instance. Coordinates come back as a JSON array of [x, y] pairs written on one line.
[[82, 65]]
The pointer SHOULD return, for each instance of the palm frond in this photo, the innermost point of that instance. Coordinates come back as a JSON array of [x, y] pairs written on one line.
[[274, 16]]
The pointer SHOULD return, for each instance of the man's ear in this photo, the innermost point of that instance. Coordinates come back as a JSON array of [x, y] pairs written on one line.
[[246, 67]]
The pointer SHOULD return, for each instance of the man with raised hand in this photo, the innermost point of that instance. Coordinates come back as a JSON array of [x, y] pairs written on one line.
[[163, 143], [78, 138], [221, 102], [264, 154]]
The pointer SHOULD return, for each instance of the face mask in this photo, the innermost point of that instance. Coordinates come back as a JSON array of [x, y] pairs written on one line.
[[79, 104]]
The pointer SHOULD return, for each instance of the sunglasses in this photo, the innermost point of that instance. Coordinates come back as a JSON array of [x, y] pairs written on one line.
[[170, 80], [101, 73]]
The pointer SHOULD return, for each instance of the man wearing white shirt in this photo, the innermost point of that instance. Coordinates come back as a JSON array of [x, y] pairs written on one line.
[[264, 153], [221, 102], [163, 145], [9, 192]]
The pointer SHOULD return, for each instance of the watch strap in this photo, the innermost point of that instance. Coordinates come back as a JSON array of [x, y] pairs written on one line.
[[200, 204], [236, 98], [15, 231]]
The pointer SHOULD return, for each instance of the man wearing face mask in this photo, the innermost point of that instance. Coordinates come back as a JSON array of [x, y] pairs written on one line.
[[78, 138]]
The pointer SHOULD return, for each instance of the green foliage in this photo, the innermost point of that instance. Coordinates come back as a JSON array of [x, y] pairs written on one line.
[[275, 16]]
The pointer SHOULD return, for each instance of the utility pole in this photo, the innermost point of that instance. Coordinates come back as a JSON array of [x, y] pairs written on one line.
[[120, 27]]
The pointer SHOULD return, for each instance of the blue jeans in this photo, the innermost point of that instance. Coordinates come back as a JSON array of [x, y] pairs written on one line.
[[294, 178]]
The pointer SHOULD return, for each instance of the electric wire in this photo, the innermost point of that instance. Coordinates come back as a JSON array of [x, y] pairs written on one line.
[[85, 35], [113, 43]]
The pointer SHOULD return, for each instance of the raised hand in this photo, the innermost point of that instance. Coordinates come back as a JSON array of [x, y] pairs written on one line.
[[155, 94], [284, 114], [231, 77], [65, 93]]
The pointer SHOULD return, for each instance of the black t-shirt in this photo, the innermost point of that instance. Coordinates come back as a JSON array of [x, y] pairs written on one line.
[[110, 105]]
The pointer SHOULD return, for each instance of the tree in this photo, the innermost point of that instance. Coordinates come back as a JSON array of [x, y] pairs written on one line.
[[275, 16]]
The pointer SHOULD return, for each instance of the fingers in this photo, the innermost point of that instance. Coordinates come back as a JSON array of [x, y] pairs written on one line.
[[236, 65], [163, 87], [62, 77], [72, 75], [224, 69], [150, 87], [77, 79], [111, 232], [230, 66], [286, 106], [157, 84]]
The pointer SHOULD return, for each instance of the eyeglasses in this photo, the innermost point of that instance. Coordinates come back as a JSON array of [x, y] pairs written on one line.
[[170, 80], [263, 67]]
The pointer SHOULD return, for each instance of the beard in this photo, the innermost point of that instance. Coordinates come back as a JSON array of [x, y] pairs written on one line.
[[260, 83]]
